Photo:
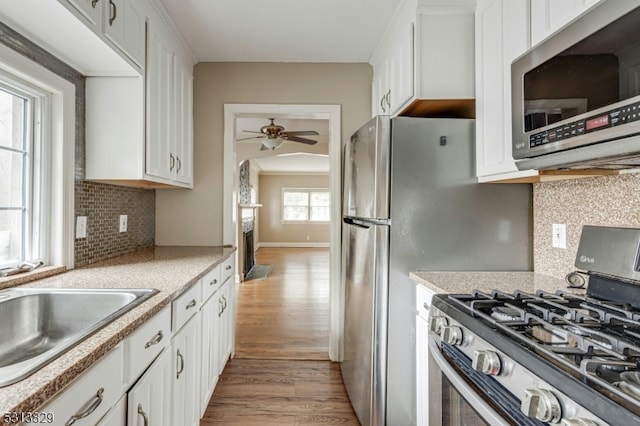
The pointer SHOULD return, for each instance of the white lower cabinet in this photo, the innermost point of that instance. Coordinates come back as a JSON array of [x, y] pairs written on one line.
[[186, 373], [117, 416], [423, 302], [91, 395], [149, 400], [210, 352]]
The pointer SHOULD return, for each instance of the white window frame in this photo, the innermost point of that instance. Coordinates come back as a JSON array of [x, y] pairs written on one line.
[[57, 98], [308, 221]]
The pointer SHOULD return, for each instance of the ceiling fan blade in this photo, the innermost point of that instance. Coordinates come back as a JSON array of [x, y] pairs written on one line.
[[252, 131], [252, 137], [300, 132], [302, 140]]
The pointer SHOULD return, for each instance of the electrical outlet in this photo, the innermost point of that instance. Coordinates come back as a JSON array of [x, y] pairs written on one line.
[[81, 227], [123, 223], [559, 235]]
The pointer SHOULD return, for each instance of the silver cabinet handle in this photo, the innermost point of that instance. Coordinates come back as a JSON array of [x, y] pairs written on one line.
[[388, 98], [214, 281], [172, 162], [384, 109], [94, 3], [221, 310], [114, 12], [426, 306], [154, 340], [179, 164], [141, 412], [228, 268], [91, 405], [181, 369], [191, 304], [224, 306]]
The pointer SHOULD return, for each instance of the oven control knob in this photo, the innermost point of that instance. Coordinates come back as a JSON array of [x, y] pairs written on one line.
[[542, 405], [577, 421], [487, 362], [436, 324], [452, 335]]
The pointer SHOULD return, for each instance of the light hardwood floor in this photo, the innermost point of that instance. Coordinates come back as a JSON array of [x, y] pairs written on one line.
[[281, 374]]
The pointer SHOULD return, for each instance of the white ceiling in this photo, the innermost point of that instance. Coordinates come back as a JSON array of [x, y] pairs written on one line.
[[281, 30]]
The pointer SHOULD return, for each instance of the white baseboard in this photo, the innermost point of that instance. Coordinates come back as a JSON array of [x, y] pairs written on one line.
[[302, 245]]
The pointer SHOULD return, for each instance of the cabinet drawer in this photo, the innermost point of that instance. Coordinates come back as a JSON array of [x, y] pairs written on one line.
[[227, 268], [185, 306], [210, 283], [91, 395], [423, 300], [146, 343]]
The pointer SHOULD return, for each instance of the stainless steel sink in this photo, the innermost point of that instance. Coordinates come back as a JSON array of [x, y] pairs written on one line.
[[39, 324]]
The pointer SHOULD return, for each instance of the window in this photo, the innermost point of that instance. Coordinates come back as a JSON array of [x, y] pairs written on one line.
[[19, 200], [306, 205], [37, 127]]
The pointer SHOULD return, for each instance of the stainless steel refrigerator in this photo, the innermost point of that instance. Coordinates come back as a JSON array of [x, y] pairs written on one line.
[[411, 202]]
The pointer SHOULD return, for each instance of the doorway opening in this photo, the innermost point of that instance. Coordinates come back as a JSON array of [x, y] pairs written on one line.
[[232, 233]]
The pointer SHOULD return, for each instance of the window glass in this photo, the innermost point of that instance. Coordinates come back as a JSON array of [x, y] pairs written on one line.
[[306, 205], [14, 193]]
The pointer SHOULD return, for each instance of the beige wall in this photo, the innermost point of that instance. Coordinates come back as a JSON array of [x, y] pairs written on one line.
[[605, 201], [272, 230], [194, 216]]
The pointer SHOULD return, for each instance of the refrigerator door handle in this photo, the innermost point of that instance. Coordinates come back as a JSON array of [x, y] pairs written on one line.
[[354, 222]]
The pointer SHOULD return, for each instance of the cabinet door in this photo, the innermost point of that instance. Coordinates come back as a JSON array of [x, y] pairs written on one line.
[[549, 15], [380, 89], [501, 35], [210, 351], [183, 146], [91, 11], [149, 401], [402, 70], [186, 373], [423, 303], [125, 27], [160, 161]]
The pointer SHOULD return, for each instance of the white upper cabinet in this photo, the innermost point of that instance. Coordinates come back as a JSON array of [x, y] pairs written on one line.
[[139, 131], [124, 26], [92, 11], [117, 22], [502, 34], [549, 15], [426, 53]]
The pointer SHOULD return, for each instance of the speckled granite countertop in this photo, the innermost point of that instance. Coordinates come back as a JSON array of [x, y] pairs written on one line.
[[466, 282], [171, 270]]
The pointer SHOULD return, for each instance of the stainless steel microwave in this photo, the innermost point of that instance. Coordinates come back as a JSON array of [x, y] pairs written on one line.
[[576, 94]]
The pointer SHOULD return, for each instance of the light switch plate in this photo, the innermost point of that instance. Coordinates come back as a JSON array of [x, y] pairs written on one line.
[[81, 227], [559, 235], [123, 223]]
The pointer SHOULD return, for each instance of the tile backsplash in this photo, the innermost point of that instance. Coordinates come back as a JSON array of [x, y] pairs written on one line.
[[101, 203], [604, 201]]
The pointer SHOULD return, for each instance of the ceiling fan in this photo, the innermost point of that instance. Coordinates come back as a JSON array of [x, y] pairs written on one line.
[[273, 135]]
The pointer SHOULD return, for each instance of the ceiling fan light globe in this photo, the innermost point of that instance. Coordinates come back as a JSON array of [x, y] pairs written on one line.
[[272, 143]]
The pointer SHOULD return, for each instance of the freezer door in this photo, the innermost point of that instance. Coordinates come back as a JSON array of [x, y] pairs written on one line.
[[367, 171], [365, 258]]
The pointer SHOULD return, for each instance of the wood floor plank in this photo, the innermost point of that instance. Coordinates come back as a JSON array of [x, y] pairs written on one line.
[[281, 374]]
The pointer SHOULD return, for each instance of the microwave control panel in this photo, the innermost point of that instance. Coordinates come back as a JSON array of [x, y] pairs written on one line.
[[604, 120]]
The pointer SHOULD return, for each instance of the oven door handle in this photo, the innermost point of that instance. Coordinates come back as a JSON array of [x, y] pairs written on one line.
[[477, 402]]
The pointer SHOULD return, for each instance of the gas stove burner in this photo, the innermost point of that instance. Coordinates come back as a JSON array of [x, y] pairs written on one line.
[[505, 313]]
